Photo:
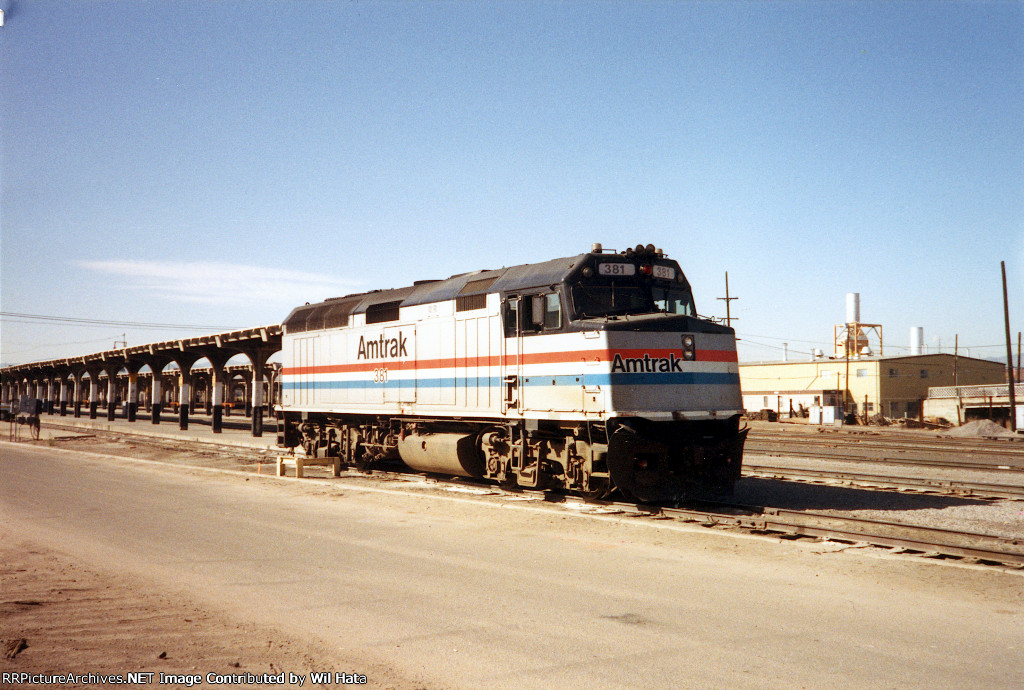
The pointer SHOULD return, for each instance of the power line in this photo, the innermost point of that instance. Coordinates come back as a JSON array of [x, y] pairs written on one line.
[[747, 337], [24, 318], [784, 338], [40, 346]]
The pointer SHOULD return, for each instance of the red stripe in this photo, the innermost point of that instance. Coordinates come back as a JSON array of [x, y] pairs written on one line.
[[496, 361], [701, 355], [716, 356]]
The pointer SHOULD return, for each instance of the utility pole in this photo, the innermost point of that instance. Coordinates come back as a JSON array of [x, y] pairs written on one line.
[[1009, 353], [846, 384], [956, 378], [727, 299]]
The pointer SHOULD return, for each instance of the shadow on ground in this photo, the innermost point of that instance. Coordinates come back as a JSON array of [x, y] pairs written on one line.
[[798, 496]]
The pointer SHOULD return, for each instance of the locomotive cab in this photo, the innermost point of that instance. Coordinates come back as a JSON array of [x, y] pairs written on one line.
[[623, 285]]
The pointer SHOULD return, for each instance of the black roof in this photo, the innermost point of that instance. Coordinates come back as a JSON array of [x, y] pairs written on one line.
[[335, 312], [329, 312]]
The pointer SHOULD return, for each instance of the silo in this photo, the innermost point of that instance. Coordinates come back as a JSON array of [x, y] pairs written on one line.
[[852, 307]]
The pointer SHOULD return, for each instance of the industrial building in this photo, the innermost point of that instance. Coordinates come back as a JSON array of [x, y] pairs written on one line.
[[856, 380], [891, 386]]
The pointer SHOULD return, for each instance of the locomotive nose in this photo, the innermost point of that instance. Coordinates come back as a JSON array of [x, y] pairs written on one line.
[[666, 464]]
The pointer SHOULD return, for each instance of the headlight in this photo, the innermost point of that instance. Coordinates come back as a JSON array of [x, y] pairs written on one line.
[[689, 348]]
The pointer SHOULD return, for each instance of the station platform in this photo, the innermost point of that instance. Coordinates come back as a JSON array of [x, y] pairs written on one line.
[[236, 430]]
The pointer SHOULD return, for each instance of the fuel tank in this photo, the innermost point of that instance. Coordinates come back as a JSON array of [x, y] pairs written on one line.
[[443, 453]]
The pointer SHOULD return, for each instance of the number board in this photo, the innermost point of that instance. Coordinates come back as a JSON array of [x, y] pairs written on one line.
[[616, 269], [665, 272]]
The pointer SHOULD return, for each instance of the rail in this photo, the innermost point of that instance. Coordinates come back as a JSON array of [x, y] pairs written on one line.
[[954, 487]]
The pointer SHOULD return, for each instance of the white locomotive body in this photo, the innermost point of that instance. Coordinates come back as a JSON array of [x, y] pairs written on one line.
[[587, 373]]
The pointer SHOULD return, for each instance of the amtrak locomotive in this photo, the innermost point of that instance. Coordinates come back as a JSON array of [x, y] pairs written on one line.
[[591, 373]]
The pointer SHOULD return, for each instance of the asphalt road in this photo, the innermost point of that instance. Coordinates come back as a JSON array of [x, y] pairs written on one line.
[[472, 595]]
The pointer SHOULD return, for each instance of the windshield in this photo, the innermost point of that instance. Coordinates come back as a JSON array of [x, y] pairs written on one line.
[[615, 298], [673, 301]]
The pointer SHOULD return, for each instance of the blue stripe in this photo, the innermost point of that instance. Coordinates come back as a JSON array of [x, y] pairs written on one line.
[[392, 384], [615, 380], [689, 378]]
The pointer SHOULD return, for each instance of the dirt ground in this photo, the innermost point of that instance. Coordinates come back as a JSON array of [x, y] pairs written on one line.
[[74, 619], [78, 619], [58, 617]]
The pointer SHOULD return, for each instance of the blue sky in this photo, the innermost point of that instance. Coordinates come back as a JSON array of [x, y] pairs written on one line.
[[213, 164]]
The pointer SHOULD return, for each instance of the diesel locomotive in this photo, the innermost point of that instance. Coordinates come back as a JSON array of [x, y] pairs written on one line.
[[591, 373]]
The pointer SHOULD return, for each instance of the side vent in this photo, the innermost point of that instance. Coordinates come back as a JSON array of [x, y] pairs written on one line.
[[338, 315], [473, 294], [380, 313], [470, 302]]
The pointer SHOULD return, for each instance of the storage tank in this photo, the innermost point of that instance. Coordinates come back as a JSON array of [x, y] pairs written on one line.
[[852, 307], [917, 340]]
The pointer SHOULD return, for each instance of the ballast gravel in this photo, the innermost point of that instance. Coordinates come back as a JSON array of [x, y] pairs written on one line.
[[1004, 518]]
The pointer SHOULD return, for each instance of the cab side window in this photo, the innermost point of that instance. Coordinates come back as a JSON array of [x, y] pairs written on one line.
[[552, 312], [543, 313], [534, 314], [511, 317]]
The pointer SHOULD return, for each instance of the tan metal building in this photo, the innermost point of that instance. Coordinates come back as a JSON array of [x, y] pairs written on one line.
[[892, 386]]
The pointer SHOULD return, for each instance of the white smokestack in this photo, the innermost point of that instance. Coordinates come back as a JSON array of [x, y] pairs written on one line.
[[917, 340], [852, 307]]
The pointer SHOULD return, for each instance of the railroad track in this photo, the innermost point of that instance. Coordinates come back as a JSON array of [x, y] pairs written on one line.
[[906, 538], [840, 456], [960, 454], [1008, 451], [955, 487], [928, 541], [901, 537]]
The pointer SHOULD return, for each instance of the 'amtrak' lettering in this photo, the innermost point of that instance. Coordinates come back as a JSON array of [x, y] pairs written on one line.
[[382, 347], [646, 364]]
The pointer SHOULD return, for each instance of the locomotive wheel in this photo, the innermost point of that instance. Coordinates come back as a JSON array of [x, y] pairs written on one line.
[[365, 462], [597, 491], [509, 483], [597, 494]]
